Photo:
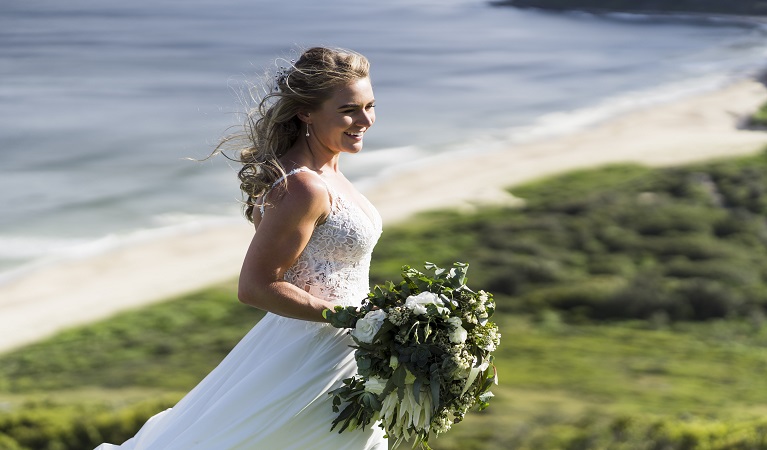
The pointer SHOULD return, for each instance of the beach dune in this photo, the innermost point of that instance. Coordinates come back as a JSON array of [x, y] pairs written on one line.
[[59, 296]]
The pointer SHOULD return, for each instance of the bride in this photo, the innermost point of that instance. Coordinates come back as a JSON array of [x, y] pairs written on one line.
[[311, 251]]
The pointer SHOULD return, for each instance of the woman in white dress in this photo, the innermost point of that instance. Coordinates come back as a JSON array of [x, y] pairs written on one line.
[[311, 251]]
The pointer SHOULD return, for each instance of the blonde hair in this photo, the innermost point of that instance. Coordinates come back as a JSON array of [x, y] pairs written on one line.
[[273, 126]]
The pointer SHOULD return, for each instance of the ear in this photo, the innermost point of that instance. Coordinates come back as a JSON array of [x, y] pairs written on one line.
[[304, 117]]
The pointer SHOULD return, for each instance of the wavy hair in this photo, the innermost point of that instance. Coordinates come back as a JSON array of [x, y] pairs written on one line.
[[272, 127]]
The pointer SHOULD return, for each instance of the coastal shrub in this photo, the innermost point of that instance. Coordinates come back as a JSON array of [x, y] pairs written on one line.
[[759, 118], [8, 443], [585, 298], [742, 226], [611, 264], [137, 348], [587, 431], [674, 218], [579, 184], [593, 431], [737, 273], [646, 295], [743, 187], [621, 367], [703, 221], [694, 247], [617, 239], [709, 299], [74, 426]]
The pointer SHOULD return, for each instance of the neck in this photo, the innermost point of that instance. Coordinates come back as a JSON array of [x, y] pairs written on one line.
[[308, 154]]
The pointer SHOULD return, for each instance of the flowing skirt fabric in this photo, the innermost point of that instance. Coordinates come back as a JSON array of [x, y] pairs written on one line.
[[269, 393]]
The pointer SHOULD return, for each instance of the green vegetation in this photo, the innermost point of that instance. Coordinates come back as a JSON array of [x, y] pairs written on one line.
[[740, 7], [631, 303], [759, 118], [622, 242], [184, 337]]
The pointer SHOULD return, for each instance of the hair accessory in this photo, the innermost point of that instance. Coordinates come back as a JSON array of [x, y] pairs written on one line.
[[281, 77]]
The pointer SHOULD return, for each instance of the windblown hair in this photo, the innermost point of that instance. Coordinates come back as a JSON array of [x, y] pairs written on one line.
[[273, 126]]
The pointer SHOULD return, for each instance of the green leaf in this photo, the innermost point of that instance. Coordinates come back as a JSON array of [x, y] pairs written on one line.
[[397, 379], [417, 390], [434, 382], [345, 414]]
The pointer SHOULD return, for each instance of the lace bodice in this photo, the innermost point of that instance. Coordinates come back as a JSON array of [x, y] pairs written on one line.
[[336, 261]]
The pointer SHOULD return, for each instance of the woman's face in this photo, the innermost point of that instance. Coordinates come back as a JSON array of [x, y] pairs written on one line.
[[340, 123]]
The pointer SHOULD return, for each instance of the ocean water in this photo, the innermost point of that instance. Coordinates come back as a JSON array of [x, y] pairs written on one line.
[[102, 102]]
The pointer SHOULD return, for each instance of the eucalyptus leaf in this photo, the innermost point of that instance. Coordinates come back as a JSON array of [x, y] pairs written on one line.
[[417, 389], [413, 348]]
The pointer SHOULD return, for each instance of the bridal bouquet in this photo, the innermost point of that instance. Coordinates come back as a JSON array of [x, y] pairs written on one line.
[[423, 351]]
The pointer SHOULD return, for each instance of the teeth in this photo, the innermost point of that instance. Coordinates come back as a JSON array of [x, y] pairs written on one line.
[[354, 134]]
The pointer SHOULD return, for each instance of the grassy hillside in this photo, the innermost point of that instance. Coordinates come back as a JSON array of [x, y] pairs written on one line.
[[591, 386], [621, 242], [631, 302]]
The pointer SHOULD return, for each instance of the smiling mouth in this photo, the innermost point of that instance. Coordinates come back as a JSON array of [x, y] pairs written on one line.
[[355, 135]]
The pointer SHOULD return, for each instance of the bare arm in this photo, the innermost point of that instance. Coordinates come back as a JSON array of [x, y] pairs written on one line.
[[281, 236]]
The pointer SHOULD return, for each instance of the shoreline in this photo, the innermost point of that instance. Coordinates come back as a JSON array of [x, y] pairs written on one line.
[[705, 126], [698, 128]]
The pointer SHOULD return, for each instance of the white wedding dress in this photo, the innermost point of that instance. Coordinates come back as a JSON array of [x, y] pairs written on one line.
[[271, 391]]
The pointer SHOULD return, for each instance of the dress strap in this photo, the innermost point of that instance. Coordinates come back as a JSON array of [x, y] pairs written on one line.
[[293, 172]]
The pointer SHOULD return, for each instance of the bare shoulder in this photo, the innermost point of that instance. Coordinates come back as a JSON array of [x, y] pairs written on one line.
[[301, 193]]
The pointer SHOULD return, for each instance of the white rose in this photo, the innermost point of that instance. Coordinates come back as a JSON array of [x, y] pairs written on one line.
[[375, 385], [377, 314], [417, 303], [458, 334], [368, 326]]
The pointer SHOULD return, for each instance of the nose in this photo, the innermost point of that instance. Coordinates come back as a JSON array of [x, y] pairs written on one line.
[[366, 119]]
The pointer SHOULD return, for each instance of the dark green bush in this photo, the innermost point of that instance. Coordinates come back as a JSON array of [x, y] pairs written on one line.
[[586, 298], [709, 299], [52, 426], [735, 273], [645, 296], [759, 118], [694, 247]]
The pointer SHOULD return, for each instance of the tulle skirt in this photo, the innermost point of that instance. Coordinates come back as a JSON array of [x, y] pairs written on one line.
[[269, 393]]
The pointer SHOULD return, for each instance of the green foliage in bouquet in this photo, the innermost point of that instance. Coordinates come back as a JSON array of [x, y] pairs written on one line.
[[423, 352]]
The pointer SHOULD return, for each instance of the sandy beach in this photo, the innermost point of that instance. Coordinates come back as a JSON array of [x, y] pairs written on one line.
[[75, 292]]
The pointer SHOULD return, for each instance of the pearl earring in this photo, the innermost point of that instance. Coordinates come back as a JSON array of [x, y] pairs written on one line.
[[307, 130]]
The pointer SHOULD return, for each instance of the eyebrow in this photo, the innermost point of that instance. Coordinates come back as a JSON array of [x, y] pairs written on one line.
[[354, 105]]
